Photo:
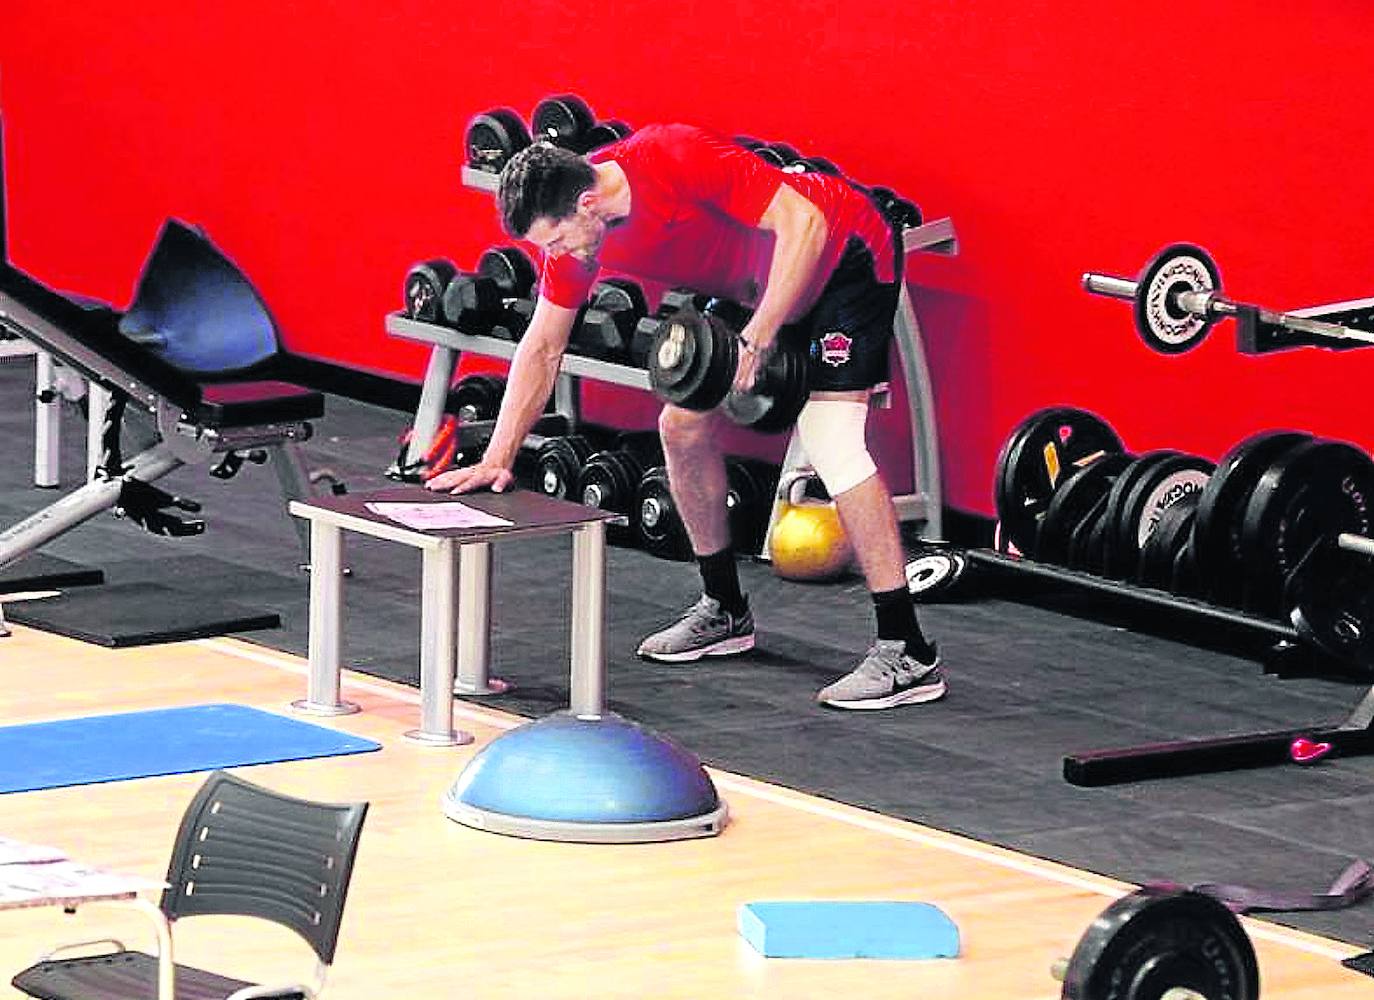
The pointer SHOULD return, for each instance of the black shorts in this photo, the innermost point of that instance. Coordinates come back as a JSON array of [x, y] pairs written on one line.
[[850, 326]]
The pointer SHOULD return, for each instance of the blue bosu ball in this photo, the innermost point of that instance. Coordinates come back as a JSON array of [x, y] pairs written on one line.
[[602, 779]]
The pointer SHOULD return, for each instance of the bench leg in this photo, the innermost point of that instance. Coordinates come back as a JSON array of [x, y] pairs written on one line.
[[587, 687], [474, 623], [326, 623], [438, 613], [47, 436]]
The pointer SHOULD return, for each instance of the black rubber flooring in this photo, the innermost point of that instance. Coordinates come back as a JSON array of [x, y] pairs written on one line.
[[1027, 684]]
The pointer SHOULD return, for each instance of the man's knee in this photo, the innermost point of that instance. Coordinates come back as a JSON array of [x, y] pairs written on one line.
[[832, 434], [683, 428]]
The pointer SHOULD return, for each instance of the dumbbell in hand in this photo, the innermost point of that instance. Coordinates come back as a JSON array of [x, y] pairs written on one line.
[[642, 340]]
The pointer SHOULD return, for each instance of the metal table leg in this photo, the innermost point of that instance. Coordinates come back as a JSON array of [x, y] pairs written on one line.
[[47, 437], [587, 687], [438, 604], [326, 623], [474, 622]]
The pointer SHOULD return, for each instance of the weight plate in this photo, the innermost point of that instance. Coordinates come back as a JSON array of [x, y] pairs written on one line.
[[1076, 496], [1043, 448], [1115, 514], [935, 573], [1160, 321], [1158, 486], [1155, 940], [674, 368], [1318, 488], [478, 397], [493, 137], [1085, 542], [1331, 594], [1172, 533], [1221, 510], [424, 289], [1185, 581]]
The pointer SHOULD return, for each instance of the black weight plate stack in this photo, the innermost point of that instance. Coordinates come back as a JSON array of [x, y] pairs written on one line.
[[1318, 488], [1172, 533], [1077, 496], [1162, 483], [1155, 940], [658, 524], [494, 137], [558, 464], [1187, 580], [1085, 543], [1042, 449], [565, 121], [1331, 594], [424, 289], [1221, 511], [1109, 562]]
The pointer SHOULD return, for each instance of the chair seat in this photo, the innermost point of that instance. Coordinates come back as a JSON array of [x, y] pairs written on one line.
[[122, 975], [246, 404]]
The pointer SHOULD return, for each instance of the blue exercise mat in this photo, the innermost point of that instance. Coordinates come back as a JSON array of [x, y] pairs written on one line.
[[162, 741]]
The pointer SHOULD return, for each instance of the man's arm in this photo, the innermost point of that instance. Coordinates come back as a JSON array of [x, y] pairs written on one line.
[[800, 231], [533, 370]]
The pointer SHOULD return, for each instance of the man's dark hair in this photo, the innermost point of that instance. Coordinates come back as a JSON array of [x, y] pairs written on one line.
[[540, 180]]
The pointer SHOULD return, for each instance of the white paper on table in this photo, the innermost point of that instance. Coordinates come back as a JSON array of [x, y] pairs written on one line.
[[427, 516], [18, 852], [67, 880]]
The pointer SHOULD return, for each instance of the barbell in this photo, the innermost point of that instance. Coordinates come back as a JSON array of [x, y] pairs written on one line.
[[1178, 300]]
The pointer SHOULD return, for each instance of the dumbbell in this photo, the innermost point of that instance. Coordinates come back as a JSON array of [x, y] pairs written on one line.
[[564, 120], [424, 289], [606, 327], [609, 479], [478, 303], [659, 526], [559, 460], [641, 342], [493, 137], [901, 212], [606, 132], [1178, 300], [477, 397], [694, 356]]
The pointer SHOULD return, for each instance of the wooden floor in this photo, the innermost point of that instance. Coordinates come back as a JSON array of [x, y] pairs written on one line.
[[437, 910]]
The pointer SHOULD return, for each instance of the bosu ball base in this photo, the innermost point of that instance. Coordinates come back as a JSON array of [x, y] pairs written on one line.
[[600, 779]]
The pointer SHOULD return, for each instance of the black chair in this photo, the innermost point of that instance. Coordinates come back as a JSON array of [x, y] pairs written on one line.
[[242, 850]]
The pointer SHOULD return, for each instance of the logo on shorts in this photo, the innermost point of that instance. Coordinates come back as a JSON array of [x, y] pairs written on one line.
[[835, 348]]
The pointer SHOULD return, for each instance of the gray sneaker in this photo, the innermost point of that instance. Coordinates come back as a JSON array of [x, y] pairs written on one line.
[[886, 678], [705, 630]]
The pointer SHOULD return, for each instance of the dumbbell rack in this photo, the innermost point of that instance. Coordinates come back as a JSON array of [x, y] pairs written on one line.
[[923, 504]]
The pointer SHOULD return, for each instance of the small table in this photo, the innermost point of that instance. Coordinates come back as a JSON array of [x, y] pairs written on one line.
[[455, 598]]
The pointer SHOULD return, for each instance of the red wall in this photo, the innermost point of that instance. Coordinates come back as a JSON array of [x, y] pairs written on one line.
[[319, 144]]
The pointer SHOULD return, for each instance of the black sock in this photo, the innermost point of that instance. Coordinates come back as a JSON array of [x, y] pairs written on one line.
[[720, 580], [897, 620]]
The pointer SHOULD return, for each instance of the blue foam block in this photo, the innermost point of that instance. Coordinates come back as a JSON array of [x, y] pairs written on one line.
[[162, 741], [848, 930]]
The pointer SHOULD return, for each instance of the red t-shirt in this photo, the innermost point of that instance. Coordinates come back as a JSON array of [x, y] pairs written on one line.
[[695, 202]]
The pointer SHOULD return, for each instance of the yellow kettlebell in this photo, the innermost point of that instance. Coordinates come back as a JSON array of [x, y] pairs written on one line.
[[808, 541]]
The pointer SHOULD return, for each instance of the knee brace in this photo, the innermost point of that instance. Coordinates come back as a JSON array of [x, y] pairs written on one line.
[[832, 433]]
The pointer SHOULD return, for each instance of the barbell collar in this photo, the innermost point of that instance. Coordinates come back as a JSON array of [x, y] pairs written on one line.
[[1355, 543], [1110, 285]]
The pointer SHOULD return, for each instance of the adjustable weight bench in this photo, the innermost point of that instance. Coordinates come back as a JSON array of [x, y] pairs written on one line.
[[195, 350]]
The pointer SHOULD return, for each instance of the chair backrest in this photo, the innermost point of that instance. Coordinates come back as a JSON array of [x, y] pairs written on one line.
[[246, 850]]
